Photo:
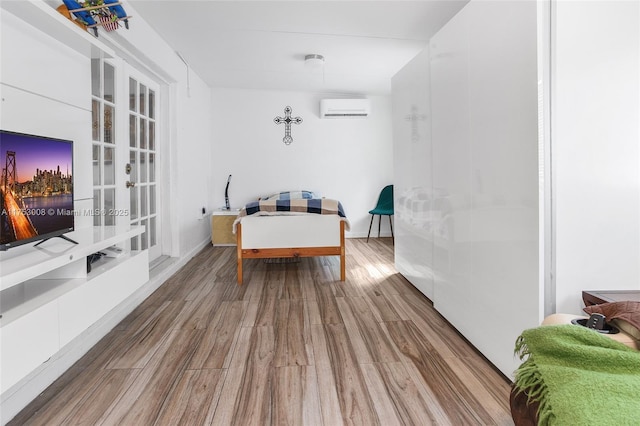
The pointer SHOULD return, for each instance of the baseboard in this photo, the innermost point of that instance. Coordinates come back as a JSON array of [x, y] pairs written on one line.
[[16, 398], [364, 235]]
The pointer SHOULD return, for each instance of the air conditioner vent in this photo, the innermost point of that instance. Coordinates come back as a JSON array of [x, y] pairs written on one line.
[[345, 108]]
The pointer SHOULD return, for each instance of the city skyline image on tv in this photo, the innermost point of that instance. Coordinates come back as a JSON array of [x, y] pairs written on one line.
[[36, 187]]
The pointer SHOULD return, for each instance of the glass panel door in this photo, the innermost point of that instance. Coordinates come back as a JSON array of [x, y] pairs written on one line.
[[103, 112], [121, 97], [142, 166]]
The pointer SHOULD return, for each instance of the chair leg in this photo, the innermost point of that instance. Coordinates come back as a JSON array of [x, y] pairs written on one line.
[[391, 226], [379, 220], [370, 223]]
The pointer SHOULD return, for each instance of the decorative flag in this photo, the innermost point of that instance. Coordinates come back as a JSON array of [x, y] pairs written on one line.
[[107, 23]]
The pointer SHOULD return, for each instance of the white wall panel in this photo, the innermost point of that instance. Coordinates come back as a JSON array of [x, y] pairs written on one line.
[[484, 105], [40, 64], [55, 120], [595, 139], [46, 91]]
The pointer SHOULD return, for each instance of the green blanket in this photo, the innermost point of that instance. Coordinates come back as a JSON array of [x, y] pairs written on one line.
[[579, 376]]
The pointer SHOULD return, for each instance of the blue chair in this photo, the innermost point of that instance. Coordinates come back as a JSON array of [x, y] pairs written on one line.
[[384, 207]]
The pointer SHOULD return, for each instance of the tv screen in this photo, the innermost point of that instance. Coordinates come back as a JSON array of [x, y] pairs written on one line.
[[37, 188]]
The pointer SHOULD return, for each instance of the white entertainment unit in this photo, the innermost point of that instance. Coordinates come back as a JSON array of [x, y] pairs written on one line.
[[48, 299]]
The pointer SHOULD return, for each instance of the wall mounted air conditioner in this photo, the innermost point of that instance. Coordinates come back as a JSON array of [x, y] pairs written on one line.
[[344, 108]]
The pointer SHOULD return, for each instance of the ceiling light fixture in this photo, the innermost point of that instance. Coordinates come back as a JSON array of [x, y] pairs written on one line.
[[314, 61]]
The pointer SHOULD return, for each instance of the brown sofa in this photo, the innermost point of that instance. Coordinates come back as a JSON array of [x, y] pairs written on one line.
[[523, 411]]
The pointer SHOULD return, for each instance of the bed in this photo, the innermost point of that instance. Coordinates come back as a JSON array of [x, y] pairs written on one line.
[[291, 225]]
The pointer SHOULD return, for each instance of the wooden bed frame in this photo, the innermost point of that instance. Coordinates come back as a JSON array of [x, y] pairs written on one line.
[[290, 237]]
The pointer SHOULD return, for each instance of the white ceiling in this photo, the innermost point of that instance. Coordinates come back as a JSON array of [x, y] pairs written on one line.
[[262, 44]]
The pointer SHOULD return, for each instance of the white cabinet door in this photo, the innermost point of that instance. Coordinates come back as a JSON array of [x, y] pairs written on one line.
[[82, 307], [28, 342]]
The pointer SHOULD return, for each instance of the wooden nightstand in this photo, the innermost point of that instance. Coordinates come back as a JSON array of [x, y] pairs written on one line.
[[222, 227], [596, 297]]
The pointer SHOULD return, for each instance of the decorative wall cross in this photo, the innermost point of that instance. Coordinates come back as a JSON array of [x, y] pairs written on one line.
[[414, 117], [287, 120]]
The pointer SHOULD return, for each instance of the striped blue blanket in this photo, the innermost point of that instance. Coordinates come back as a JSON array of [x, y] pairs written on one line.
[[298, 205], [293, 206]]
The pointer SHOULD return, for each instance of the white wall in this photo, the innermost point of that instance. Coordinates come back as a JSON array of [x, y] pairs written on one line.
[[595, 147], [191, 178], [345, 159]]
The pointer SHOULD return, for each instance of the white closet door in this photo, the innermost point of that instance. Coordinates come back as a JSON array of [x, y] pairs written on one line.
[[416, 213], [485, 164]]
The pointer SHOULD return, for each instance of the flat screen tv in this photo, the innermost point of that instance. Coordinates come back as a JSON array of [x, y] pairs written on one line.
[[36, 188]]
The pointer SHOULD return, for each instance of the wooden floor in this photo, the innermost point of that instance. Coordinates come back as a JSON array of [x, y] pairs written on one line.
[[292, 346]]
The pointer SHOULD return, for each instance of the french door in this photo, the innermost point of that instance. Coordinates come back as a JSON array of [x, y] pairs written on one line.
[[142, 165], [125, 151]]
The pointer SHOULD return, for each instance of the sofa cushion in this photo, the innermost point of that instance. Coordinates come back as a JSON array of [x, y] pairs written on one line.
[[626, 315]]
